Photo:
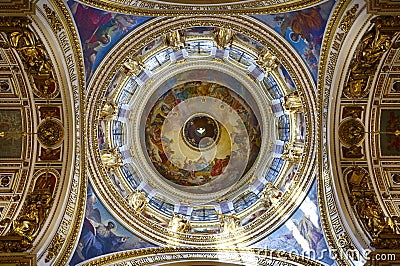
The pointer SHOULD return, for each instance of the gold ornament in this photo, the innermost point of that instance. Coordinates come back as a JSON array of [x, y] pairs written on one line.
[[111, 158], [179, 224], [223, 37], [291, 153], [55, 22], [267, 61], [270, 195], [347, 21], [55, 246], [292, 102], [137, 200], [133, 66], [175, 39], [228, 222], [109, 110], [351, 132], [50, 133], [370, 50]]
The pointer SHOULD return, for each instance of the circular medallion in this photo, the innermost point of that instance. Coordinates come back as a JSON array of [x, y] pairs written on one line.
[[396, 178], [50, 133], [351, 132], [201, 132]]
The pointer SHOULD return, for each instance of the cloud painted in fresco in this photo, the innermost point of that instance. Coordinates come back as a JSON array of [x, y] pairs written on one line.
[[99, 30], [303, 29]]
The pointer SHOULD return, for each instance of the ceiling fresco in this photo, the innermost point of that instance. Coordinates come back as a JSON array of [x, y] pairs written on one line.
[[304, 29], [99, 30], [143, 133], [101, 234], [209, 147], [157, 105]]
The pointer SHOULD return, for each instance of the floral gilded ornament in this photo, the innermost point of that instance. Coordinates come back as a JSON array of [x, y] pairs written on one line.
[[33, 214], [50, 133], [33, 54], [347, 21], [351, 131], [367, 57]]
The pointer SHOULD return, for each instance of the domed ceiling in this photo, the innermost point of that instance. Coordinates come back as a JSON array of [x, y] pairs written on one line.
[[194, 122], [147, 139]]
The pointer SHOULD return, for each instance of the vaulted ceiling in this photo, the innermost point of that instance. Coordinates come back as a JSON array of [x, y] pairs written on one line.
[[219, 132]]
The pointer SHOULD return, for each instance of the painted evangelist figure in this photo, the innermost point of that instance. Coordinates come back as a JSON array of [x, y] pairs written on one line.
[[99, 30], [304, 29], [101, 234]]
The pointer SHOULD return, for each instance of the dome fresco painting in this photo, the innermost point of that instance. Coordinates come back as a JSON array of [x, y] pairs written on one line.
[[205, 134], [220, 132], [199, 133]]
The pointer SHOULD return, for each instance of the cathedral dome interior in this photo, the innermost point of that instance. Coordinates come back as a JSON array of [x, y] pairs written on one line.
[[211, 132]]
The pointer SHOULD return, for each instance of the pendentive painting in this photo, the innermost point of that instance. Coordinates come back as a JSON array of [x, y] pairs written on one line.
[[99, 30], [304, 29], [101, 234]]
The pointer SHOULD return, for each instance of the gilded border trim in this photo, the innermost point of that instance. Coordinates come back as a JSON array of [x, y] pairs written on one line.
[[151, 8], [161, 255]]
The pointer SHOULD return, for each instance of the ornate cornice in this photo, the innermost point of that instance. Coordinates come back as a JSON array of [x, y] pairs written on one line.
[[150, 256], [17, 7], [337, 30], [383, 7], [167, 8], [64, 241]]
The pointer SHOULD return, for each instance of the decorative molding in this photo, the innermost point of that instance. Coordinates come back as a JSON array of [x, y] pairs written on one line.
[[17, 259], [383, 7], [17, 7], [164, 8], [241, 256]]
